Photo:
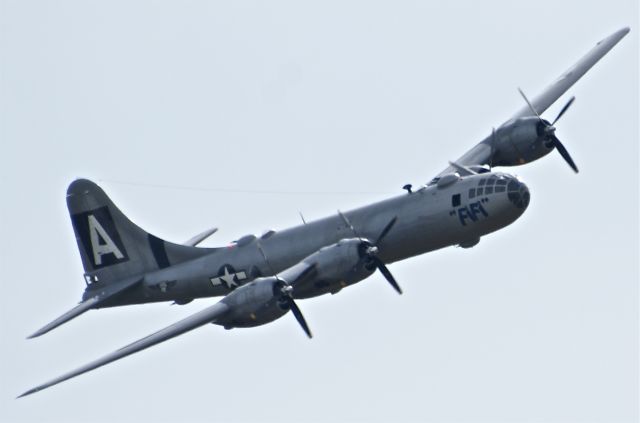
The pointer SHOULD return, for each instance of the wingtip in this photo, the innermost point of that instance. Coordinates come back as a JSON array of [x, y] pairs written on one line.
[[39, 332], [29, 392], [620, 34], [35, 334]]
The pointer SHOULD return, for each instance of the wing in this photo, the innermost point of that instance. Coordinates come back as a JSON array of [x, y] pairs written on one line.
[[481, 153], [299, 274], [201, 318], [221, 310]]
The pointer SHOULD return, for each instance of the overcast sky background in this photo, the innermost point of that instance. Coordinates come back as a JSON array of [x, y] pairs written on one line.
[[240, 114]]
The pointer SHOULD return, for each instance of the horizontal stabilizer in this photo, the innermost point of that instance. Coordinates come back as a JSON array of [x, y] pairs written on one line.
[[88, 304], [200, 237]]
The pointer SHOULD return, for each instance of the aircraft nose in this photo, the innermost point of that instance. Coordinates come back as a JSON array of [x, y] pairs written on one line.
[[518, 194]]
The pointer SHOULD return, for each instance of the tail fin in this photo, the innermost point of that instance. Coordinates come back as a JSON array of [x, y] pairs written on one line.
[[111, 246]]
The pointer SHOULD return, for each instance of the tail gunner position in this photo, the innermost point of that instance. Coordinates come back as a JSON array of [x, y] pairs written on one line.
[[261, 277]]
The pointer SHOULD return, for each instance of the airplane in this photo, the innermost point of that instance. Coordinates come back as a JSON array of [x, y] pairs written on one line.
[[260, 278]]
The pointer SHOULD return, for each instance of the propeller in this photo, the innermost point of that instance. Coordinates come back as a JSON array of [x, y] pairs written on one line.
[[370, 250], [548, 130], [284, 292]]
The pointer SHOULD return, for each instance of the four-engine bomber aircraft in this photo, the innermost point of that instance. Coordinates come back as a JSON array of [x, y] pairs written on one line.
[[260, 277]]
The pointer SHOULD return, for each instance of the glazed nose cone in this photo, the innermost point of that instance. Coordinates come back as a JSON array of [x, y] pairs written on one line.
[[518, 194]]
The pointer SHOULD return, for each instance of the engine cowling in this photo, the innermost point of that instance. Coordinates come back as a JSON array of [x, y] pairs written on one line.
[[254, 304], [520, 141], [328, 270], [265, 299], [337, 266]]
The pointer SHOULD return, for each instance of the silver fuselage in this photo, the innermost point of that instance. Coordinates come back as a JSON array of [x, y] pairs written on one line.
[[427, 219]]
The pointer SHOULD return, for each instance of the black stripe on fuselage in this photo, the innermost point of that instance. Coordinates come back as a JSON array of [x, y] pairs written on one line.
[[159, 251]]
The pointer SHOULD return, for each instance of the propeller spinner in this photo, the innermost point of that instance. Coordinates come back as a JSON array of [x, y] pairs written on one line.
[[547, 130]]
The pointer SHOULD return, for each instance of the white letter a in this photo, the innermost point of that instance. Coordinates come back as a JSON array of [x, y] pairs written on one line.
[[110, 247]]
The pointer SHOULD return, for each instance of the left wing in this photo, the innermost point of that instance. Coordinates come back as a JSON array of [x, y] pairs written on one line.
[[481, 154], [201, 318], [224, 311]]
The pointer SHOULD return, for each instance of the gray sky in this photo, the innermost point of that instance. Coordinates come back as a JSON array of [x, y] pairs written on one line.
[[537, 323]]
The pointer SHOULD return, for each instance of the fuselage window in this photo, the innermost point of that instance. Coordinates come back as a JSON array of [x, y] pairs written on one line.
[[472, 192], [455, 200]]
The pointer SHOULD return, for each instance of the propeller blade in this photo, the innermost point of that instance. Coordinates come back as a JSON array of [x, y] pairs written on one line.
[[564, 109], [386, 230], [493, 146], [564, 153], [299, 317], [529, 104], [387, 274], [348, 223]]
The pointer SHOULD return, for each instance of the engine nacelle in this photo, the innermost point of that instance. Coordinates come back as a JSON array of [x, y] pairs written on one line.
[[337, 266], [520, 141], [253, 304]]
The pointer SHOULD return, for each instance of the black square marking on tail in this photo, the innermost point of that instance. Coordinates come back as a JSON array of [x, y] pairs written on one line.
[[99, 237]]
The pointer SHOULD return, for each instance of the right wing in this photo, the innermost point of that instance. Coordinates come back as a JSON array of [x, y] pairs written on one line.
[[481, 153], [553, 92], [208, 315]]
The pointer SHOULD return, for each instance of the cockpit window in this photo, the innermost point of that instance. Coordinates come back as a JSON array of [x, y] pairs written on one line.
[[488, 190], [491, 180], [501, 181], [472, 192], [455, 200], [500, 189], [482, 182]]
